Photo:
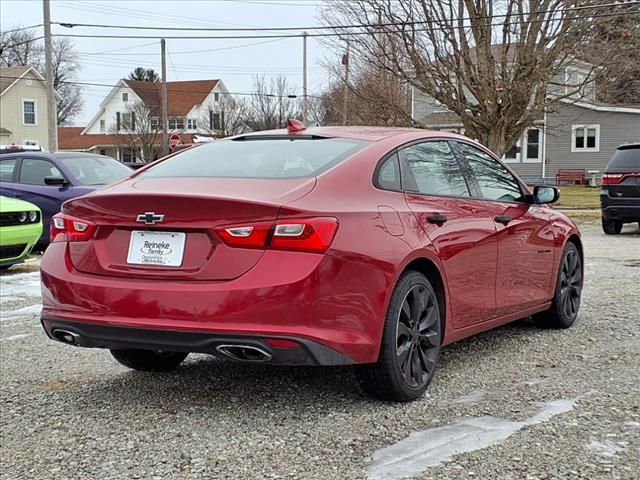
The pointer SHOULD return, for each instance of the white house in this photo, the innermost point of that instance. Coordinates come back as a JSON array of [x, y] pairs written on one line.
[[193, 109]]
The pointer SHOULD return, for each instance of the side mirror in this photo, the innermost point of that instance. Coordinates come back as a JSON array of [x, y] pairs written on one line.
[[542, 194], [55, 181]]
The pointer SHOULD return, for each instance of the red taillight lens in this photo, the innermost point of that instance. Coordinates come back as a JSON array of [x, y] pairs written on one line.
[[65, 228], [612, 178], [305, 235]]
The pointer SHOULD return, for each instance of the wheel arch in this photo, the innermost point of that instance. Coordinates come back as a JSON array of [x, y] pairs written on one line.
[[430, 270]]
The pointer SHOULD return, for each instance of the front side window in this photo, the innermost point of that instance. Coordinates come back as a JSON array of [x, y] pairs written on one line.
[[29, 112], [433, 170], [258, 158], [34, 170], [493, 178], [585, 138]]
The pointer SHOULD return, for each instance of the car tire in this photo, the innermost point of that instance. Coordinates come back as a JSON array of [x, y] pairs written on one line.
[[611, 227], [566, 300], [410, 343], [148, 360]]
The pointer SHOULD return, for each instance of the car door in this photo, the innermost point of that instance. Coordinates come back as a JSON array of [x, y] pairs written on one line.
[[32, 187], [460, 228], [524, 235], [8, 174]]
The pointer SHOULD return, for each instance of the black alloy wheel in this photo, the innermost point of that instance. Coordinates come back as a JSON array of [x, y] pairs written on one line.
[[410, 343], [568, 293], [418, 336]]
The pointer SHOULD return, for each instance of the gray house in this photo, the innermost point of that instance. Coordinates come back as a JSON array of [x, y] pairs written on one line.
[[580, 133]]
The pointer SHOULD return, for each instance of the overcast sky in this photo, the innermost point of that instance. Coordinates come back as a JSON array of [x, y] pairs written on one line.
[[233, 61]]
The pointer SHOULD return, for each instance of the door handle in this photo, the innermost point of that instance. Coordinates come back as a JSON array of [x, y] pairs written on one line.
[[437, 218], [503, 219]]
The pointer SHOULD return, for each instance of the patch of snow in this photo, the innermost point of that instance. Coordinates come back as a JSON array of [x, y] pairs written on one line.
[[605, 449], [20, 285], [431, 447], [29, 312], [16, 337]]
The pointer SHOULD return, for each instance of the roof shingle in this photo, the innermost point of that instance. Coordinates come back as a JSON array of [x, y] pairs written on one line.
[[181, 96]]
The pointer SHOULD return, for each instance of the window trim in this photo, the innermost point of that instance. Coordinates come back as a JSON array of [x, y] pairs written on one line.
[[585, 127], [468, 172], [525, 145], [404, 169], [381, 162], [518, 157], [35, 112]]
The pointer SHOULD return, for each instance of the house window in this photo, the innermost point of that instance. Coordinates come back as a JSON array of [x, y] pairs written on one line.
[[513, 154], [585, 138], [103, 152], [29, 112], [180, 123], [216, 97], [533, 148], [31, 143], [128, 155], [216, 121], [102, 126], [192, 124], [172, 124], [125, 97], [155, 125], [126, 120]]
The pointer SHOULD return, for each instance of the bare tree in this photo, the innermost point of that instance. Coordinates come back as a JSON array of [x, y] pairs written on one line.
[[490, 62], [139, 129], [18, 48], [226, 119], [272, 105]]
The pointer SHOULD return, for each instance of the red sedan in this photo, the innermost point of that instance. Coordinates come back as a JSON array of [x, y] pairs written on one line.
[[371, 247]]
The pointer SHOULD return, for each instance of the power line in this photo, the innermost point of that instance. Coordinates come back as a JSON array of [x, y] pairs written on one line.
[[178, 90], [330, 34], [342, 27], [22, 28]]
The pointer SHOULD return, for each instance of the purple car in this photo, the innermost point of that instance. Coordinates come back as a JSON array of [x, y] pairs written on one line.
[[49, 179]]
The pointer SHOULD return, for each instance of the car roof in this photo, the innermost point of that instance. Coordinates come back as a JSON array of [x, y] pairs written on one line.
[[78, 155], [628, 146], [31, 154], [372, 134]]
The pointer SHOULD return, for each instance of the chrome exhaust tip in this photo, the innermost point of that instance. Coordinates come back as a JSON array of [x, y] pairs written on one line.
[[65, 336], [244, 353]]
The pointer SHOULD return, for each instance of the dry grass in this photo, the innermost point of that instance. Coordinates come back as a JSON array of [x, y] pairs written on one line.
[[579, 197]]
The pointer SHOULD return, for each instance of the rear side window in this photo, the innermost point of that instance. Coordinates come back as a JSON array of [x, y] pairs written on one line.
[[434, 170], [258, 158], [625, 159], [7, 167], [388, 176]]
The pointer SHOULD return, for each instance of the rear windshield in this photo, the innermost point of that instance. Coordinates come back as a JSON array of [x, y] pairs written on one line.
[[626, 159], [95, 170], [258, 158]]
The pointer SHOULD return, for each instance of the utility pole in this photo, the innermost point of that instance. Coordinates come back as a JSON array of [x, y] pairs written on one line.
[[345, 107], [305, 101], [165, 107], [52, 118]]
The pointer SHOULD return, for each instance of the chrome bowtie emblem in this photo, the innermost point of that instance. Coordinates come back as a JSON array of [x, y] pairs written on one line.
[[150, 218]]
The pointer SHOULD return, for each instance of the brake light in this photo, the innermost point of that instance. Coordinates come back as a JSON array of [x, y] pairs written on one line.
[[305, 235], [612, 178], [65, 228]]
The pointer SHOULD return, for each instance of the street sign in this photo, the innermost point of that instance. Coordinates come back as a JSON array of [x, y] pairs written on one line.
[[174, 140]]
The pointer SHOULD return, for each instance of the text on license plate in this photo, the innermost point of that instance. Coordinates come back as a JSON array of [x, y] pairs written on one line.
[[156, 248]]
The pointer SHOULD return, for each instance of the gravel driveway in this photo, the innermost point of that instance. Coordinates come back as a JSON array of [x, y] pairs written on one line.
[[519, 402]]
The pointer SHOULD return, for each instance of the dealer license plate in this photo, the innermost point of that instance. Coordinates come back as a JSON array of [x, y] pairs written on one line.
[[165, 249]]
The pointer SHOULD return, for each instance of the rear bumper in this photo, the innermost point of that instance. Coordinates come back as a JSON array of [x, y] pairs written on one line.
[[116, 337], [625, 209], [314, 299]]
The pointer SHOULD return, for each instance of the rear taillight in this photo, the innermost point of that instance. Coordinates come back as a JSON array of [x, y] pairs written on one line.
[[612, 178], [65, 228], [305, 235]]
